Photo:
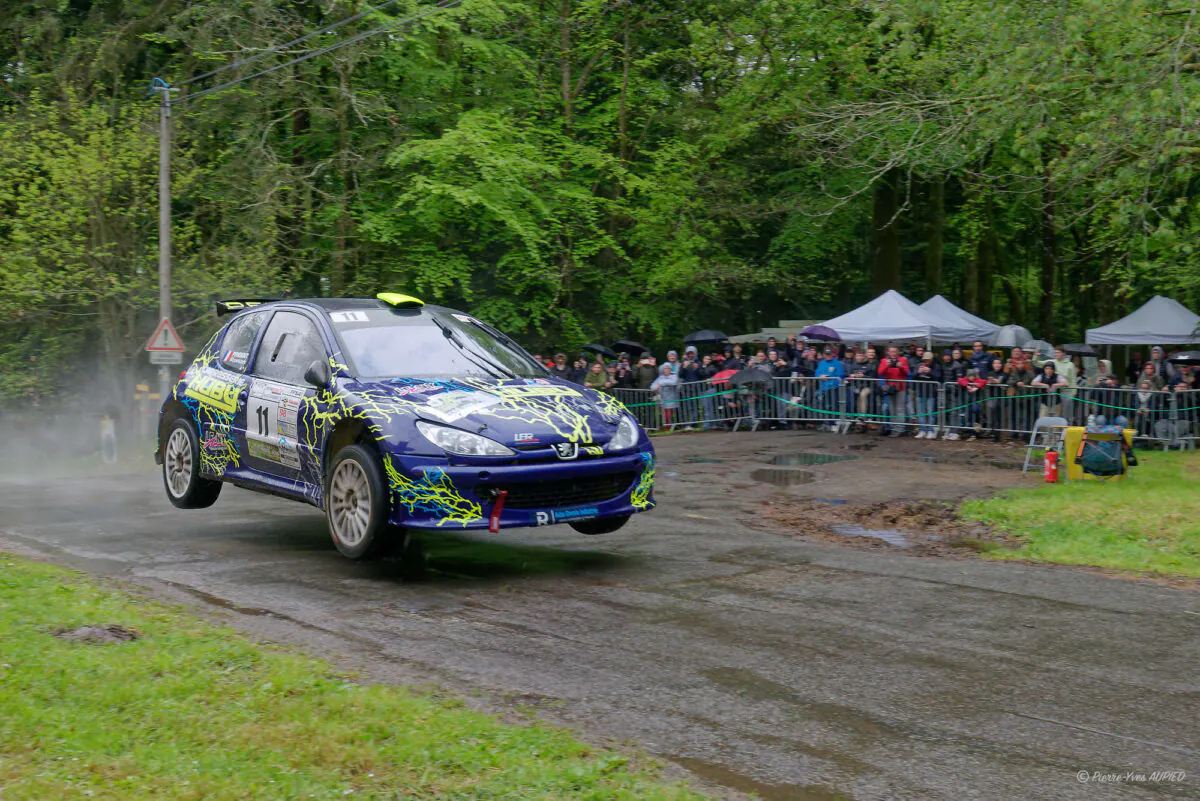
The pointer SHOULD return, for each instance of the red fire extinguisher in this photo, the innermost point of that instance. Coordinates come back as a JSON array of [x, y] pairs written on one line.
[[1050, 468]]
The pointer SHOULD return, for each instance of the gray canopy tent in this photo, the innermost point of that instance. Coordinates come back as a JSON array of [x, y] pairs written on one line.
[[976, 327], [891, 317], [1160, 321]]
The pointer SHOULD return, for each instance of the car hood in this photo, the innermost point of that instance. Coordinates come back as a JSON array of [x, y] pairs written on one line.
[[515, 412]]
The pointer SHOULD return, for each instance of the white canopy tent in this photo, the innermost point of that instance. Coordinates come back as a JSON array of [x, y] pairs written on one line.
[[891, 317], [1160, 321], [943, 309]]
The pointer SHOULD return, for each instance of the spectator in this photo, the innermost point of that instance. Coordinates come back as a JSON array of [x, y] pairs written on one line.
[[560, 369], [1162, 368], [666, 387], [1147, 402], [832, 373], [610, 375], [862, 374], [997, 391], [973, 385], [1014, 360], [1020, 382], [781, 369], [704, 373], [790, 350], [596, 378], [625, 378], [979, 360], [580, 370], [1064, 368], [673, 362], [646, 373], [893, 373], [733, 358], [925, 387], [1052, 384], [1133, 371], [1150, 373], [690, 386]]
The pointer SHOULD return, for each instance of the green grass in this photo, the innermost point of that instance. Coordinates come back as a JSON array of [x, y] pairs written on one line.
[[195, 711], [1149, 522]]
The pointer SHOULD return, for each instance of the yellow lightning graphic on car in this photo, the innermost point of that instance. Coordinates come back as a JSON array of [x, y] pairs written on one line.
[[640, 497], [434, 493]]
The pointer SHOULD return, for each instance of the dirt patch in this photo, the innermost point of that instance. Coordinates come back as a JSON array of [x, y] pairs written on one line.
[[924, 528], [98, 634]]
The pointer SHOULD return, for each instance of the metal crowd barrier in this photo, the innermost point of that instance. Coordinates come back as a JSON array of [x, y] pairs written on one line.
[[935, 408]]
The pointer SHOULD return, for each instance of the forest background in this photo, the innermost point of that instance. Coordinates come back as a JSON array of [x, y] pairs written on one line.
[[586, 170]]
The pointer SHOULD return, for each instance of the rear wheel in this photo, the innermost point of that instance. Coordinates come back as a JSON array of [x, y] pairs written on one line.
[[181, 468], [605, 526], [356, 504]]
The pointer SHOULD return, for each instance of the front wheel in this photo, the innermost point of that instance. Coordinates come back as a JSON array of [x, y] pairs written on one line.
[[605, 526], [356, 504], [186, 488]]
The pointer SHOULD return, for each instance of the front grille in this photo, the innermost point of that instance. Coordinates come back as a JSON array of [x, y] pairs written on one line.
[[563, 491]]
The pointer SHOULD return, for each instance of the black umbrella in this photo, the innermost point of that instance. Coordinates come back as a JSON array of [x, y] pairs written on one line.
[[751, 375], [1187, 357], [1079, 349], [634, 349], [821, 332], [701, 337], [603, 351]]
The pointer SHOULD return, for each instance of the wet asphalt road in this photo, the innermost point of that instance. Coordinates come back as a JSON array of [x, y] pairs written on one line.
[[759, 661]]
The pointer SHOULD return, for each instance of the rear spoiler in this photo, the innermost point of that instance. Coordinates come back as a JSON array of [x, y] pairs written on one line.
[[237, 304]]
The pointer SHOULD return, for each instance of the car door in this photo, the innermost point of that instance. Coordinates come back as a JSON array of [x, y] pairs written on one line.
[[274, 442], [222, 389]]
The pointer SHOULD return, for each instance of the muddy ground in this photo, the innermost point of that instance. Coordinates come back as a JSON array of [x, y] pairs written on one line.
[[730, 631]]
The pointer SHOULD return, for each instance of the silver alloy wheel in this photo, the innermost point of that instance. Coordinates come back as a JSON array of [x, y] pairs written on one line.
[[349, 503], [178, 462]]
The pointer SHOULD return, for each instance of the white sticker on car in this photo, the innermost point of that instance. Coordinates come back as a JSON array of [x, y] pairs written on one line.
[[451, 406], [271, 412], [349, 317]]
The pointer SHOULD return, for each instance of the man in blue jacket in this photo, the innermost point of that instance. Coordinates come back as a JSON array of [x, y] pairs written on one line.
[[832, 373], [980, 359]]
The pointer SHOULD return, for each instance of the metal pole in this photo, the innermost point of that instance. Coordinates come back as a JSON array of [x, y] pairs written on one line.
[[164, 224]]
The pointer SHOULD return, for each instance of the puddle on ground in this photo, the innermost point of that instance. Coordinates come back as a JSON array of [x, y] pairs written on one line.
[[768, 792], [797, 459], [782, 478], [890, 536], [700, 460], [831, 501]]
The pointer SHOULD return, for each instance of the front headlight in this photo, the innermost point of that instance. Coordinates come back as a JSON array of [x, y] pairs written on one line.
[[626, 436], [462, 443]]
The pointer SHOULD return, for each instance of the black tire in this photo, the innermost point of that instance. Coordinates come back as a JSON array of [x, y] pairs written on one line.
[[605, 525], [185, 487], [356, 489]]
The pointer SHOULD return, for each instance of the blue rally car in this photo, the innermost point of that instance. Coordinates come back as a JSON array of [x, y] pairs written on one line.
[[388, 414]]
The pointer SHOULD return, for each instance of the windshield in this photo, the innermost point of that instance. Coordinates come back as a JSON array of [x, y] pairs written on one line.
[[382, 343]]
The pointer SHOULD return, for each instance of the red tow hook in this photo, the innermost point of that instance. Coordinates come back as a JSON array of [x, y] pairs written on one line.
[[497, 508]]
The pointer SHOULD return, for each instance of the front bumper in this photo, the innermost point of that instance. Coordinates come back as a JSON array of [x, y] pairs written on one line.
[[429, 493]]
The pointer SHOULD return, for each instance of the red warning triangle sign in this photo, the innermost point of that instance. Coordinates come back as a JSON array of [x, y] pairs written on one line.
[[165, 338]]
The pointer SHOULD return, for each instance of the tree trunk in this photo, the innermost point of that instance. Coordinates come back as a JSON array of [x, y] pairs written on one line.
[[564, 56], [934, 242], [1016, 309], [1049, 264], [885, 273], [989, 264]]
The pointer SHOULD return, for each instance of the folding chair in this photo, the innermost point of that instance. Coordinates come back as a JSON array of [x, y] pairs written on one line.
[[1053, 431]]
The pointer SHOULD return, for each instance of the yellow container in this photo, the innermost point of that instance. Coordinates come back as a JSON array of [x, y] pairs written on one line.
[[1071, 448]]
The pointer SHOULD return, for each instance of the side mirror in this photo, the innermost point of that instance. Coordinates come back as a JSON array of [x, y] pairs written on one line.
[[318, 374]]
